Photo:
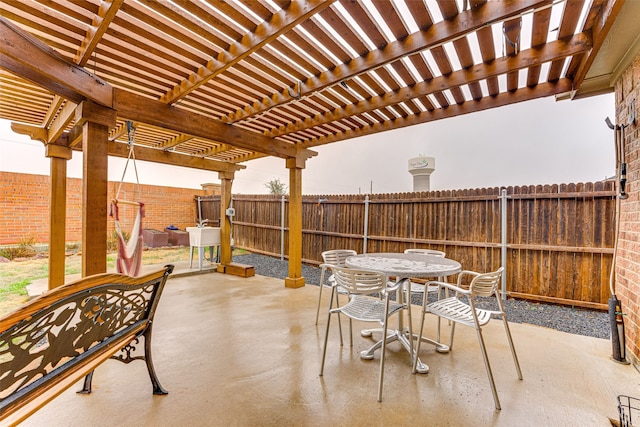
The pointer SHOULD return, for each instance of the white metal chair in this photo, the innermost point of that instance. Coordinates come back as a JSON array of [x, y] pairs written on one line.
[[417, 288], [363, 306], [467, 313], [334, 257]]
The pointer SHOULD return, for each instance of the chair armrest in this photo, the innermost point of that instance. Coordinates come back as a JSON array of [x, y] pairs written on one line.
[[393, 286], [464, 273], [451, 286], [326, 266]]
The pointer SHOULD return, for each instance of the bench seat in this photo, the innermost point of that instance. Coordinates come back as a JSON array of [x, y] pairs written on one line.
[[60, 337]]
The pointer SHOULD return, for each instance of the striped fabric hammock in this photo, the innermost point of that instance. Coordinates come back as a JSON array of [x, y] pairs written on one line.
[[129, 258]]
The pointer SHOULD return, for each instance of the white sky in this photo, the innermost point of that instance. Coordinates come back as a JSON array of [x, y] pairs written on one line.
[[530, 143]]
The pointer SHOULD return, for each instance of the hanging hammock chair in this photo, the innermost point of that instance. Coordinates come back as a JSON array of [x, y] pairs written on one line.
[[129, 258]]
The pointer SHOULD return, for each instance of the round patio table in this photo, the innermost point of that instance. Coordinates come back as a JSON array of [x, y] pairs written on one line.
[[403, 267]]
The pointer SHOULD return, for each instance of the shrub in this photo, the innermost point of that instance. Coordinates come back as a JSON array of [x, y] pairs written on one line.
[[112, 241], [26, 249]]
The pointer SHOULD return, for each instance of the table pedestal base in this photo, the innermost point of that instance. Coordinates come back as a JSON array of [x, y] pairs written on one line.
[[401, 336]]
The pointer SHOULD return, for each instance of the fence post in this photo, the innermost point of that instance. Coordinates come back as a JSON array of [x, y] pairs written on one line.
[[366, 223], [503, 216], [282, 230]]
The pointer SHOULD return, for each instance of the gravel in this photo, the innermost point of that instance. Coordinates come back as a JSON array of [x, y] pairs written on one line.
[[566, 319]]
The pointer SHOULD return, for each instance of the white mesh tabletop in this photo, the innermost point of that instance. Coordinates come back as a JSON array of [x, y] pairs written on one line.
[[405, 265]]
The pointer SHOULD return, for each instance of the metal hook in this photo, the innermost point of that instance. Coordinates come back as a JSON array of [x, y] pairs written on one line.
[[298, 96], [131, 130]]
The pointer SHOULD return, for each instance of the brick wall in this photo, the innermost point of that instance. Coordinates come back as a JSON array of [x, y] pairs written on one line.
[[627, 90], [24, 207]]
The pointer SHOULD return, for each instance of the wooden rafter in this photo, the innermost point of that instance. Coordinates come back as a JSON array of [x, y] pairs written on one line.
[[106, 12], [26, 56], [117, 149], [530, 57], [73, 82], [436, 35], [156, 113], [609, 10], [212, 150], [175, 141], [506, 98], [281, 22], [64, 118], [54, 106]]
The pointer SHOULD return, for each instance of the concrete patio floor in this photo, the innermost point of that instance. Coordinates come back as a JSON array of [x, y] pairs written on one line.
[[236, 351]]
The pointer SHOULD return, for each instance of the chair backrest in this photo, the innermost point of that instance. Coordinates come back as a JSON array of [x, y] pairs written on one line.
[[337, 257], [486, 284], [359, 281], [425, 252]]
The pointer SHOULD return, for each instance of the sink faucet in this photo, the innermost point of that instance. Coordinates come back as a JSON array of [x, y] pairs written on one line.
[[202, 223]]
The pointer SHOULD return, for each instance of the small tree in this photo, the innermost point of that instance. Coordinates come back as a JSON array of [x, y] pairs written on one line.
[[275, 186]]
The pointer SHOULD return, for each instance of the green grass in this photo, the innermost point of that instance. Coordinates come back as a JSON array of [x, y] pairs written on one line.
[[15, 288], [15, 276]]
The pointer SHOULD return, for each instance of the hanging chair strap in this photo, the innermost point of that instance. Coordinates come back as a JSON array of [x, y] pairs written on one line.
[[129, 258], [131, 130]]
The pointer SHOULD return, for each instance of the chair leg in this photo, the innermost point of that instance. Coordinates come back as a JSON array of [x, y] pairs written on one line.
[[339, 318], [384, 347], [415, 360], [350, 332], [320, 294], [513, 348], [326, 334], [453, 329], [488, 367], [408, 304]]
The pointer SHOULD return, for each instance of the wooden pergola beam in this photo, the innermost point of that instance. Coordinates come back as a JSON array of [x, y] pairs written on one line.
[[139, 108], [100, 23], [507, 98], [28, 57], [600, 30], [281, 22], [530, 57], [118, 149], [437, 34], [62, 120], [73, 138]]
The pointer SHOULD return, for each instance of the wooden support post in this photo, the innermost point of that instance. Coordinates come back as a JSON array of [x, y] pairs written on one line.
[[225, 223], [57, 212], [95, 122], [295, 279]]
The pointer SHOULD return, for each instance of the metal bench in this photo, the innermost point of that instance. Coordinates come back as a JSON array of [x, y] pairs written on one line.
[[55, 340]]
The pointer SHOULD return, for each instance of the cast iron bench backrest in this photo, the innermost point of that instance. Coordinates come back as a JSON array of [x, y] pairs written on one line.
[[56, 339]]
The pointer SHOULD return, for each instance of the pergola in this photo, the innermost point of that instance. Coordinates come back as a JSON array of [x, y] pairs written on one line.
[[211, 84]]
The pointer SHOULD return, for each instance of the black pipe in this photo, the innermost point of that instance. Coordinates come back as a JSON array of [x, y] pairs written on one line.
[[617, 330], [623, 181]]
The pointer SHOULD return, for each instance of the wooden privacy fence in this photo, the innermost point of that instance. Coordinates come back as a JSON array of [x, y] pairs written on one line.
[[558, 239]]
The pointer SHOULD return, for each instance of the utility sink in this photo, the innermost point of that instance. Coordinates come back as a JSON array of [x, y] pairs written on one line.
[[204, 236], [201, 238]]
